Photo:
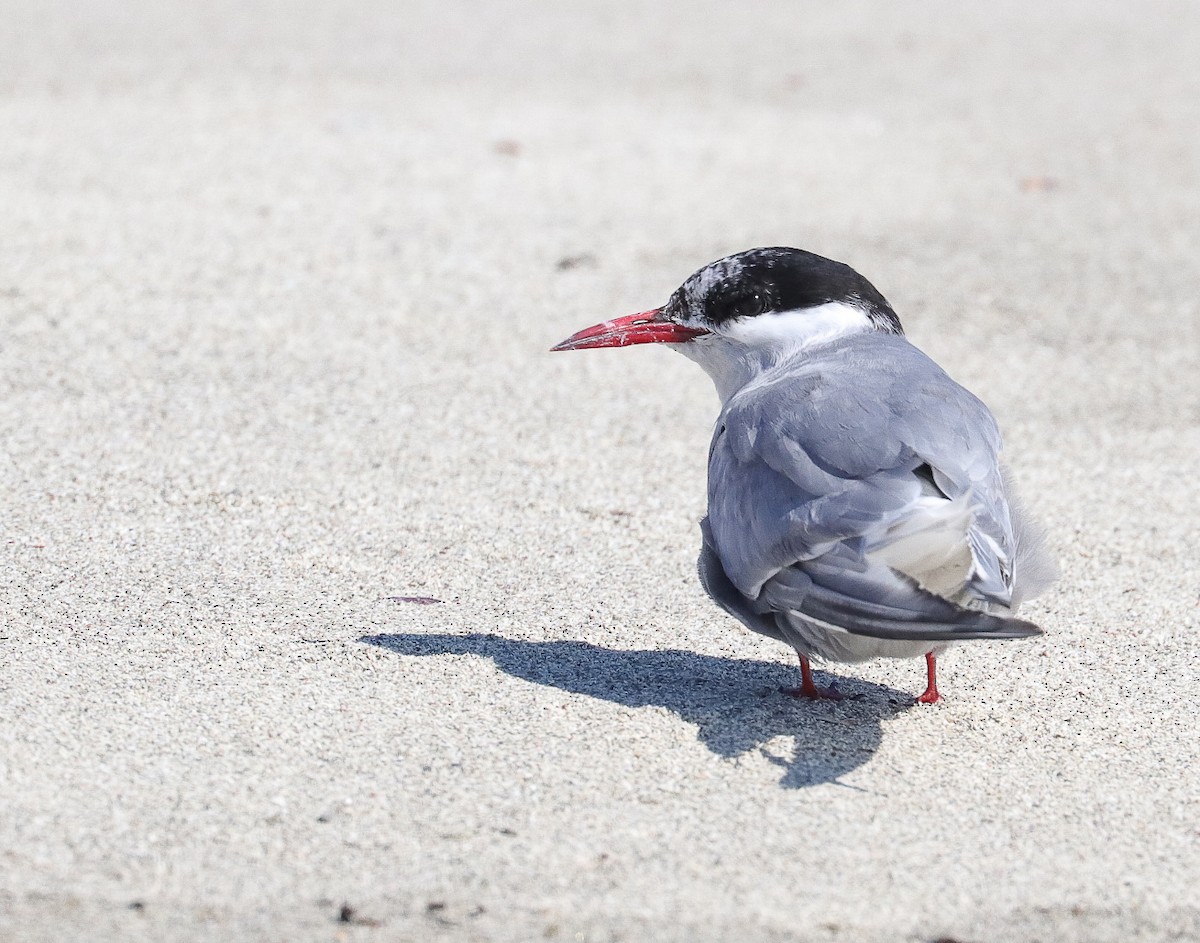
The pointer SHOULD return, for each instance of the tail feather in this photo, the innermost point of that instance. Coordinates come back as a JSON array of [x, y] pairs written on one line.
[[1035, 568]]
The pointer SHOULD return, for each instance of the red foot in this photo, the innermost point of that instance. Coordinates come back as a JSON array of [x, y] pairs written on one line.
[[931, 695], [809, 689]]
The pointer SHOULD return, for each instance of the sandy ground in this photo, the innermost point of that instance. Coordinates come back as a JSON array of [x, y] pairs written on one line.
[[276, 286]]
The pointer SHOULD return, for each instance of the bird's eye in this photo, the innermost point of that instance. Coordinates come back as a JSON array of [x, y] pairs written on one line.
[[747, 305]]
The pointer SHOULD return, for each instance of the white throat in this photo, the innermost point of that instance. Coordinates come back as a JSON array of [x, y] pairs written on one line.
[[742, 350]]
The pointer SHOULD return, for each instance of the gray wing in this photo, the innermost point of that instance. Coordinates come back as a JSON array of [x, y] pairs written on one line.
[[863, 488]]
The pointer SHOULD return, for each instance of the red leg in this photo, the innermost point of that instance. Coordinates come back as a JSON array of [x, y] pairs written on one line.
[[808, 687], [931, 695]]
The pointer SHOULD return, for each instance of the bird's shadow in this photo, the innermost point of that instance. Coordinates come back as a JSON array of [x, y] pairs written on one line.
[[735, 703]]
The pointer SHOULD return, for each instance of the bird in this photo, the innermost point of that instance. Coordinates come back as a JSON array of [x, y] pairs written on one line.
[[858, 504]]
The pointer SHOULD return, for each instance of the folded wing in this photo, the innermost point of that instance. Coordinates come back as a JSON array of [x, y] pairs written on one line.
[[862, 488]]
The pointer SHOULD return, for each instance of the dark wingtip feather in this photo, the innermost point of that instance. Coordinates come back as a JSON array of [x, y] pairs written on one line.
[[954, 623]]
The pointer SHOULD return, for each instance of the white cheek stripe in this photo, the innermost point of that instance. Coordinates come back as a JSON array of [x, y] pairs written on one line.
[[800, 327], [740, 353]]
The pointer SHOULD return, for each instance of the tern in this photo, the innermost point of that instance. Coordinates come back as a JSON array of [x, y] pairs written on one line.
[[857, 503]]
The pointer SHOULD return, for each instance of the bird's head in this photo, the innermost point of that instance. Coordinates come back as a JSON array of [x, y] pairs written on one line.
[[750, 309]]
